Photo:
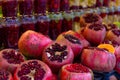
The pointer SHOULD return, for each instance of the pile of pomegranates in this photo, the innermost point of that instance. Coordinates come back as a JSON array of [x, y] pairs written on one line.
[[72, 56]]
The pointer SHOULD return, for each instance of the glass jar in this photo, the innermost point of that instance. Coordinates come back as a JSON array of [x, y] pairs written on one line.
[[74, 4], [42, 24], [9, 8], [67, 22], [64, 5], [25, 7], [40, 6], [53, 5], [99, 3], [55, 25], [91, 3], [27, 23], [11, 32], [1, 33]]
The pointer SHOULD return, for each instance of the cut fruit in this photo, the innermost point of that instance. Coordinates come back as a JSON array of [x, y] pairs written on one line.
[[108, 47]]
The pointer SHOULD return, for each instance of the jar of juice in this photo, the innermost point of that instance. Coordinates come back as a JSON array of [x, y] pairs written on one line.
[[106, 3], [1, 33], [55, 25], [25, 7], [67, 22], [53, 5], [27, 23], [40, 6], [99, 3], [91, 3], [11, 32], [42, 23], [64, 5], [111, 14], [9, 8], [74, 4], [76, 19]]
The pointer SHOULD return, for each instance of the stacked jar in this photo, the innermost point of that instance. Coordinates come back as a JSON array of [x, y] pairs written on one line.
[[10, 23], [42, 18], [26, 15]]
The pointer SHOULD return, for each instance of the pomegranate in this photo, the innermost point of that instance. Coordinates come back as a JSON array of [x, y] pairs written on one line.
[[5, 75], [31, 43], [76, 72], [117, 67], [72, 41], [111, 26], [33, 70], [56, 55], [113, 35], [94, 33], [89, 18], [10, 59], [102, 60]]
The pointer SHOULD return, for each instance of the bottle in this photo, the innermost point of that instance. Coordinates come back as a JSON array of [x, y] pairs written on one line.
[[64, 5], [11, 32], [26, 7], [9, 8]]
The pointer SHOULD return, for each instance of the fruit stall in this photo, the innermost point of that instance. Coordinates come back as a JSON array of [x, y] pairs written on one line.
[[59, 39]]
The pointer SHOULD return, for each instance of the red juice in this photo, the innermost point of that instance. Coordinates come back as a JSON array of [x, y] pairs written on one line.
[[106, 3], [55, 25], [40, 6], [99, 3], [27, 23], [64, 5], [53, 5], [9, 8], [42, 24], [11, 32], [1, 34], [67, 23], [26, 7]]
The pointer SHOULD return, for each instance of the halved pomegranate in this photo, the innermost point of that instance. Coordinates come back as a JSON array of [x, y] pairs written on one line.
[[76, 72], [31, 44], [5, 75], [10, 59], [73, 41], [56, 55], [89, 18], [94, 33], [113, 35], [33, 70], [98, 59]]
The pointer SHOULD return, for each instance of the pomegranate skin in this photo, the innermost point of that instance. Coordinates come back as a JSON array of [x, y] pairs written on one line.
[[76, 47], [95, 37], [67, 75], [117, 66], [55, 65], [4, 64], [102, 60], [83, 21], [48, 74], [113, 36], [31, 44]]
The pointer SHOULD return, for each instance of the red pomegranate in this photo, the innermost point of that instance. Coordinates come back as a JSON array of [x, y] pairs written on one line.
[[117, 67], [89, 18], [73, 41], [94, 33], [5, 75], [113, 35], [33, 70], [56, 55], [31, 43], [10, 59], [102, 60], [75, 72]]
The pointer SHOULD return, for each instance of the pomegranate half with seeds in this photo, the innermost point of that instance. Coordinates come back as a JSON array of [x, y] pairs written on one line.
[[74, 42], [94, 33], [98, 59], [113, 35], [31, 44], [56, 55], [76, 72], [90, 18], [10, 59], [5, 75], [33, 70]]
